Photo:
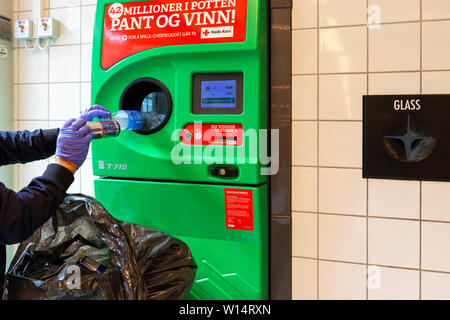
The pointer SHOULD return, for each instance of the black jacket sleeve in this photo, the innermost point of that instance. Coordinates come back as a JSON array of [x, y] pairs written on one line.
[[26, 146], [21, 213]]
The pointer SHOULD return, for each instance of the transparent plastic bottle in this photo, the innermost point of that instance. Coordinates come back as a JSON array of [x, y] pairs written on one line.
[[137, 120]]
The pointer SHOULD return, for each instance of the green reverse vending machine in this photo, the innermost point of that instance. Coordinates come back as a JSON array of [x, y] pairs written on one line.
[[199, 69]]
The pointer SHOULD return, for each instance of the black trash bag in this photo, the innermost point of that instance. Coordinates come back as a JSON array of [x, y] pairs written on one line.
[[142, 263]]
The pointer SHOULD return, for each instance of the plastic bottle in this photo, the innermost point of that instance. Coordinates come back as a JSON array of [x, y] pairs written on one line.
[[136, 120], [93, 265]]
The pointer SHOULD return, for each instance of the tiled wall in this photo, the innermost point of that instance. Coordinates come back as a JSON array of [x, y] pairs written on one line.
[[355, 238], [53, 85]]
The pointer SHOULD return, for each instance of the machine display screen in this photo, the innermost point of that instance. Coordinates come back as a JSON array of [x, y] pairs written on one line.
[[218, 93]]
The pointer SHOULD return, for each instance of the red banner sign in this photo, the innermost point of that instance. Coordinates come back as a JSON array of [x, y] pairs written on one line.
[[133, 27], [213, 134], [239, 209]]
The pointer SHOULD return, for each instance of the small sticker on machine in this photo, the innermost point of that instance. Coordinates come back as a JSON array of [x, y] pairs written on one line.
[[217, 32], [239, 209]]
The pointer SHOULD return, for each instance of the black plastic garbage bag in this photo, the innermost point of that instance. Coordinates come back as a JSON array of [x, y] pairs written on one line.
[[142, 263]]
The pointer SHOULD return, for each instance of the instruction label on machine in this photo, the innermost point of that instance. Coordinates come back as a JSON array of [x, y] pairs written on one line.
[[133, 27], [239, 209]]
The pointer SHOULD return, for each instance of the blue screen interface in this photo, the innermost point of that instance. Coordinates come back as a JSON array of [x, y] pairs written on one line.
[[218, 94]]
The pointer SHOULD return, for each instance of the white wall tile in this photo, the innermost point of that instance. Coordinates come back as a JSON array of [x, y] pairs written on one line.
[[342, 50], [436, 82], [395, 284], [75, 187], [397, 10], [341, 281], [87, 24], [342, 12], [435, 253], [435, 286], [33, 66], [16, 102], [304, 97], [304, 234], [340, 144], [33, 102], [25, 5], [304, 279], [87, 179], [342, 238], [342, 191], [64, 3], [394, 198], [341, 95], [88, 2], [32, 125], [304, 14], [85, 95], [435, 201], [394, 83], [435, 50], [304, 143], [304, 51], [69, 19], [395, 47], [394, 242], [435, 9], [65, 64], [86, 62], [64, 101], [304, 189]]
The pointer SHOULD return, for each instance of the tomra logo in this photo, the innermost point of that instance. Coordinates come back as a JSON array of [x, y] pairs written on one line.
[[115, 11]]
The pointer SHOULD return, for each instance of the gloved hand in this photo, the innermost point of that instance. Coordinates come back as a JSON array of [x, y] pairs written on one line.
[[94, 111], [73, 141]]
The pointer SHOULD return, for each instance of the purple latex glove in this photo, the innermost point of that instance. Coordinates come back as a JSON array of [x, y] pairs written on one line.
[[94, 111], [73, 141]]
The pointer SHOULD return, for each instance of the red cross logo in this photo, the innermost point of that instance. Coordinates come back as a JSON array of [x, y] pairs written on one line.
[[205, 33]]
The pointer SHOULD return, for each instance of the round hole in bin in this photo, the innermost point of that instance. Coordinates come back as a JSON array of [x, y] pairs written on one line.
[[152, 98]]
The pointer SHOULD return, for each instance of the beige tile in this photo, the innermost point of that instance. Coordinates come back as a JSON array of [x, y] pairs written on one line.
[[304, 234], [342, 12], [29, 171], [435, 50], [394, 83], [87, 24], [304, 279], [70, 29], [304, 14], [435, 253], [304, 189], [395, 47], [87, 179], [64, 65], [340, 144], [342, 238], [397, 10], [435, 286], [304, 97], [342, 191], [393, 284], [340, 96], [341, 281], [435, 201], [304, 51], [304, 143], [33, 102], [32, 125], [394, 198], [64, 101], [33, 66], [343, 50], [435, 9], [435, 82], [394, 242]]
